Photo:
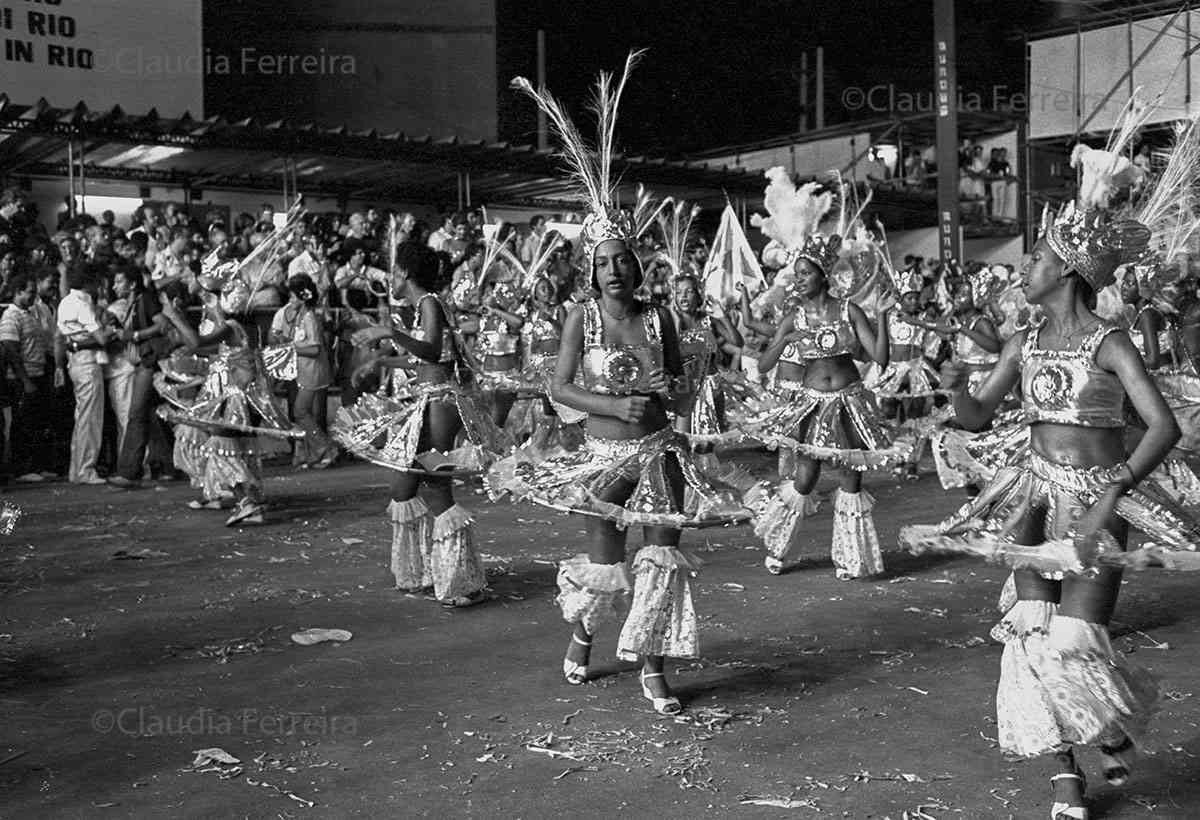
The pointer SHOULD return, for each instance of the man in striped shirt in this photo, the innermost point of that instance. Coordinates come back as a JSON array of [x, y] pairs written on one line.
[[29, 382]]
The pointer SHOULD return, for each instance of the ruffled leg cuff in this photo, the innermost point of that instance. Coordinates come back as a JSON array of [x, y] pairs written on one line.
[[1095, 692], [1025, 722], [778, 516], [456, 568], [412, 528], [855, 548], [593, 594], [662, 620]]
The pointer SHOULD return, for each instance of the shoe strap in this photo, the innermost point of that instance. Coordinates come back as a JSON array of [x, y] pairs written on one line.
[[653, 675], [575, 638], [1067, 776]]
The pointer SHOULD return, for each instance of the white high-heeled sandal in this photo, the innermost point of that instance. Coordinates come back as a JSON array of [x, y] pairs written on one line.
[[576, 673], [1065, 811], [773, 565], [664, 706]]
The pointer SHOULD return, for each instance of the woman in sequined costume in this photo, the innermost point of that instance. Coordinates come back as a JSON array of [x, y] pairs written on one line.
[[906, 383], [818, 412], [633, 469], [704, 332], [414, 435], [234, 409], [1061, 516]]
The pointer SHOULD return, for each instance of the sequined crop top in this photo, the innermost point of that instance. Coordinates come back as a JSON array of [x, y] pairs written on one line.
[[1066, 386], [967, 351], [903, 332], [1166, 336], [822, 341], [540, 328], [615, 369], [418, 332], [697, 346], [495, 337]]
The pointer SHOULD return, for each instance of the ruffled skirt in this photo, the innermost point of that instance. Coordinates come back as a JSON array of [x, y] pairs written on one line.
[[707, 420], [1036, 489], [388, 432], [909, 379], [842, 427], [1062, 683], [580, 480]]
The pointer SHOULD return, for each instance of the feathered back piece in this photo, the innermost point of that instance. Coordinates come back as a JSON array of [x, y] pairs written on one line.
[[591, 167], [1085, 233], [676, 227], [1169, 211]]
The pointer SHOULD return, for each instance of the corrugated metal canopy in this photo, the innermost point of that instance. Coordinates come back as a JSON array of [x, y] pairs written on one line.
[[215, 153]]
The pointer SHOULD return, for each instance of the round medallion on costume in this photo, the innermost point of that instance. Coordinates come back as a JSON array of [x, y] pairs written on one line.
[[622, 368], [1052, 387], [827, 339]]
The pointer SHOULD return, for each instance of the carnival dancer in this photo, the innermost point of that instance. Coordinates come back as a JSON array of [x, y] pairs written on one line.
[[819, 411], [633, 469], [975, 349], [704, 334], [906, 383], [1061, 516], [234, 407], [432, 541], [540, 427]]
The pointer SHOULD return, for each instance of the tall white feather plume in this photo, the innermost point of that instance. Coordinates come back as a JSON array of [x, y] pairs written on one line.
[[1103, 172], [1169, 208], [590, 168], [676, 226], [794, 212], [646, 209]]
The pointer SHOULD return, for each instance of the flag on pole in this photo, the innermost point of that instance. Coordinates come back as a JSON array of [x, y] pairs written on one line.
[[731, 261]]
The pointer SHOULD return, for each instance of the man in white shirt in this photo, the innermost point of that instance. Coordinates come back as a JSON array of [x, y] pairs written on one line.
[[84, 337], [533, 242], [439, 238], [356, 274], [313, 261]]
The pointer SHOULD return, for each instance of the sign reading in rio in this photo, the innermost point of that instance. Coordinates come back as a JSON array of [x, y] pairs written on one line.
[[139, 54]]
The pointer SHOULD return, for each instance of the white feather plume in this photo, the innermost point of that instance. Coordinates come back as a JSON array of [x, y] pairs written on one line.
[[794, 212]]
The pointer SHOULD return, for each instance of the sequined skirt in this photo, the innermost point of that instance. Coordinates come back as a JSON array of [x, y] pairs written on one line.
[[912, 378], [388, 431], [1052, 497], [842, 427], [580, 481]]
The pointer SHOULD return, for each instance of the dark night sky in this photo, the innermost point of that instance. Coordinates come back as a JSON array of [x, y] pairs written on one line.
[[720, 73]]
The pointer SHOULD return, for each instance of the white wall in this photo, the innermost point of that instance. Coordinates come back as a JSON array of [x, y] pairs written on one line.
[[803, 158], [1055, 72]]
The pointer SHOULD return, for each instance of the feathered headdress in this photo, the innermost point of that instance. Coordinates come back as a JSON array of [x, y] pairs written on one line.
[[795, 216], [1085, 233], [986, 283], [536, 269], [676, 227], [591, 168], [1169, 211], [646, 209]]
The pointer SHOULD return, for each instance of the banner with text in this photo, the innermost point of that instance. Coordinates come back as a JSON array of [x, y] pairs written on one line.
[[139, 54]]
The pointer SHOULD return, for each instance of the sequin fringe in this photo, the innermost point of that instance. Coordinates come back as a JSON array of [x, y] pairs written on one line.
[[593, 594], [662, 619], [412, 540]]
